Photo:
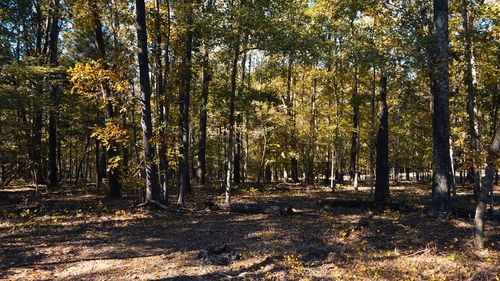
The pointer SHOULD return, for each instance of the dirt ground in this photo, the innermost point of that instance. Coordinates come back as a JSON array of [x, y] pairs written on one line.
[[79, 235]]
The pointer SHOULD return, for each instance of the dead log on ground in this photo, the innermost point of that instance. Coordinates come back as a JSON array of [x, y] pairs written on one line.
[[281, 208]]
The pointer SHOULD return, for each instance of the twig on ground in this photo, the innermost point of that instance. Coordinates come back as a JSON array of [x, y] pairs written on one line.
[[426, 250]]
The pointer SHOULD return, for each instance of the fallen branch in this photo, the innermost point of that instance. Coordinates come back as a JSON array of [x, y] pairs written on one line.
[[283, 209], [418, 252], [161, 206]]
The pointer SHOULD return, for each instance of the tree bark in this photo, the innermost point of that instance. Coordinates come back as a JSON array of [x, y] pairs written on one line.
[[152, 185], [165, 110], [160, 90], [294, 165], [442, 183], [202, 140], [312, 148], [201, 170], [53, 177], [486, 188], [184, 181], [36, 144], [238, 120], [372, 125], [355, 132], [234, 73], [471, 98], [290, 148], [382, 166]]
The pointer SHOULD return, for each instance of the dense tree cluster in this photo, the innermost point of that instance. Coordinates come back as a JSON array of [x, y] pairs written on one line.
[[235, 91]]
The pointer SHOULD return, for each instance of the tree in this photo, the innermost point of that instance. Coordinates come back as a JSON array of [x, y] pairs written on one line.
[[184, 179], [471, 99], [441, 162], [355, 132], [232, 97], [382, 165], [53, 177], [486, 189], [113, 173], [161, 81], [205, 85], [152, 185]]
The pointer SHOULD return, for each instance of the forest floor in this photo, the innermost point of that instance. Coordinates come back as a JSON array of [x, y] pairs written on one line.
[[79, 235]]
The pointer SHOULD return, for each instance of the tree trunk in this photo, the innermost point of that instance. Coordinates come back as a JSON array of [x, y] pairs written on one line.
[[113, 175], [184, 180], [98, 166], [238, 120], [234, 73], [164, 108], [372, 125], [262, 159], [36, 140], [36, 143], [381, 194], [486, 188], [355, 132], [442, 183], [152, 185], [312, 149], [202, 140], [471, 98], [201, 171], [245, 124], [496, 102], [160, 90], [294, 167], [53, 176]]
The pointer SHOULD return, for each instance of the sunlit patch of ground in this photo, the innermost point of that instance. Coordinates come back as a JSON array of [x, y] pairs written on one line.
[[77, 235]]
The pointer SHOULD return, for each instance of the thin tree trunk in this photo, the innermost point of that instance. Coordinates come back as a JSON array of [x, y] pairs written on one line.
[[245, 126], [453, 190], [98, 166], [336, 141], [36, 143], [152, 185], [70, 164], [3, 176], [184, 180], [339, 175], [355, 132], [294, 166], [471, 98], [381, 194], [238, 120], [263, 158], [312, 151], [372, 138], [53, 177], [234, 73], [202, 141], [36, 139], [496, 104], [486, 188], [160, 89], [205, 87]]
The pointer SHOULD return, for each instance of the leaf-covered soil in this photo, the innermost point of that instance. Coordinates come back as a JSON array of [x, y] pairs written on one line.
[[79, 235]]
